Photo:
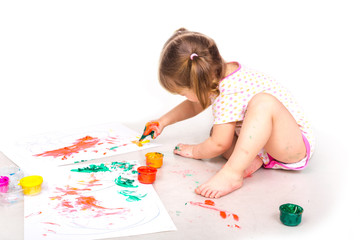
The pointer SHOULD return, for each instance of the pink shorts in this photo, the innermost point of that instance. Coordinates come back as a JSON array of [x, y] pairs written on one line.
[[270, 162], [273, 163]]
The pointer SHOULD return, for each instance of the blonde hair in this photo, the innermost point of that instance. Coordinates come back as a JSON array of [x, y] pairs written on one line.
[[191, 60]]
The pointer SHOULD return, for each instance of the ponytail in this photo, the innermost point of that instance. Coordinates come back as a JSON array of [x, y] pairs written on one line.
[[191, 60]]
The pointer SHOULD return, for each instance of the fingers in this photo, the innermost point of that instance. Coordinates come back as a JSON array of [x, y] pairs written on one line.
[[153, 129], [177, 149], [184, 150], [156, 132]]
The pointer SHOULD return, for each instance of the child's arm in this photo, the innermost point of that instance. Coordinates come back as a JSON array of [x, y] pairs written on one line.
[[219, 141], [184, 110]]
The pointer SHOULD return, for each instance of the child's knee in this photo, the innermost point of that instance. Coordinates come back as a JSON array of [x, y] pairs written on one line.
[[262, 102]]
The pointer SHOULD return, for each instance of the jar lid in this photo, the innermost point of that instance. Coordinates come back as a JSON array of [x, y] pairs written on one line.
[[31, 181]]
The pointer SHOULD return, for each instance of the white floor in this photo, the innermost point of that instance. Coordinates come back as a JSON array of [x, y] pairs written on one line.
[[329, 210], [72, 63]]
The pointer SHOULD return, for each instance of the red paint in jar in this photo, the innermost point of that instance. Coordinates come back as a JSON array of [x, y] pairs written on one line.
[[147, 175]]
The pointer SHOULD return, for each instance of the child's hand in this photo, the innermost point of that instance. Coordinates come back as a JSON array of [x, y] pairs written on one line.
[[153, 128], [184, 150]]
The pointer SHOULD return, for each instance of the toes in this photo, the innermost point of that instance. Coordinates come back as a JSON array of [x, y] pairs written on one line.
[[214, 194], [217, 195], [200, 188], [207, 193]]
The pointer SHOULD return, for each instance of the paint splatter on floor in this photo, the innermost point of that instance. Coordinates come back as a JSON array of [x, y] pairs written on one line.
[[185, 173], [209, 204]]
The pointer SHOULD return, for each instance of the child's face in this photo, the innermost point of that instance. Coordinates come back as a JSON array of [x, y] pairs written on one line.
[[189, 94]]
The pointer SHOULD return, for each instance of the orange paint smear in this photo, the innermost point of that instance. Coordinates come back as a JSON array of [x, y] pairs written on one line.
[[82, 203], [80, 144], [140, 143]]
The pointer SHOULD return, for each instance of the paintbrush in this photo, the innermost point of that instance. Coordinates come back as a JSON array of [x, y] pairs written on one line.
[[148, 130]]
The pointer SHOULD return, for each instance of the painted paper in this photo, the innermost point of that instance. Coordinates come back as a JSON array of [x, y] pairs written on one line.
[[85, 202], [74, 146]]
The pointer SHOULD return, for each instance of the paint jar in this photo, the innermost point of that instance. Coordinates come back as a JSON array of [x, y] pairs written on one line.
[[154, 159], [13, 195], [31, 184], [290, 214], [147, 175], [4, 184], [13, 173]]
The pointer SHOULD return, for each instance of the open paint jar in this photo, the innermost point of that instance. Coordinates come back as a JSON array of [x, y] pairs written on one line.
[[4, 184], [154, 159], [13, 195], [31, 184], [147, 175], [13, 173], [290, 214]]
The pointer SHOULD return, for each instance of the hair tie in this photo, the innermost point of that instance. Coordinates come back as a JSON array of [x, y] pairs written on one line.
[[193, 55]]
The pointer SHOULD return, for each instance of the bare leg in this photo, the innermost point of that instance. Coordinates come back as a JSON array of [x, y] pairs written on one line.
[[267, 124], [255, 164]]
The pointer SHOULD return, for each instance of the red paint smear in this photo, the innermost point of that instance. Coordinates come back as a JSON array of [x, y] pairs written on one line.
[[79, 145], [223, 214], [209, 202], [82, 203], [33, 214], [71, 190], [210, 205], [66, 204], [51, 223], [91, 183], [234, 226]]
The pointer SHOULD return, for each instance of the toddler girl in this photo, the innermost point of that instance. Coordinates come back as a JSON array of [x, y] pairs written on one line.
[[256, 121]]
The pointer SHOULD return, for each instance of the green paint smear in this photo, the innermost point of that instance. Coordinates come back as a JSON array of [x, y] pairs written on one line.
[[80, 161], [102, 168], [114, 148], [124, 182], [92, 168], [124, 165], [131, 196]]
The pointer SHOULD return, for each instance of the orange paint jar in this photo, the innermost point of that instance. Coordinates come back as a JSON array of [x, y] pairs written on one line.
[[147, 175], [154, 159]]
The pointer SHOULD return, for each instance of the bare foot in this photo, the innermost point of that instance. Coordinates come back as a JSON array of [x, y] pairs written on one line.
[[224, 182], [227, 180]]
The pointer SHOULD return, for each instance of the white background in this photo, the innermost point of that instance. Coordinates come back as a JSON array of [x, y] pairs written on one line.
[[65, 64]]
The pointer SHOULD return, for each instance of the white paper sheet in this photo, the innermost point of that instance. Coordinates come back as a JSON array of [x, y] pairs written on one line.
[[78, 205], [61, 148]]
